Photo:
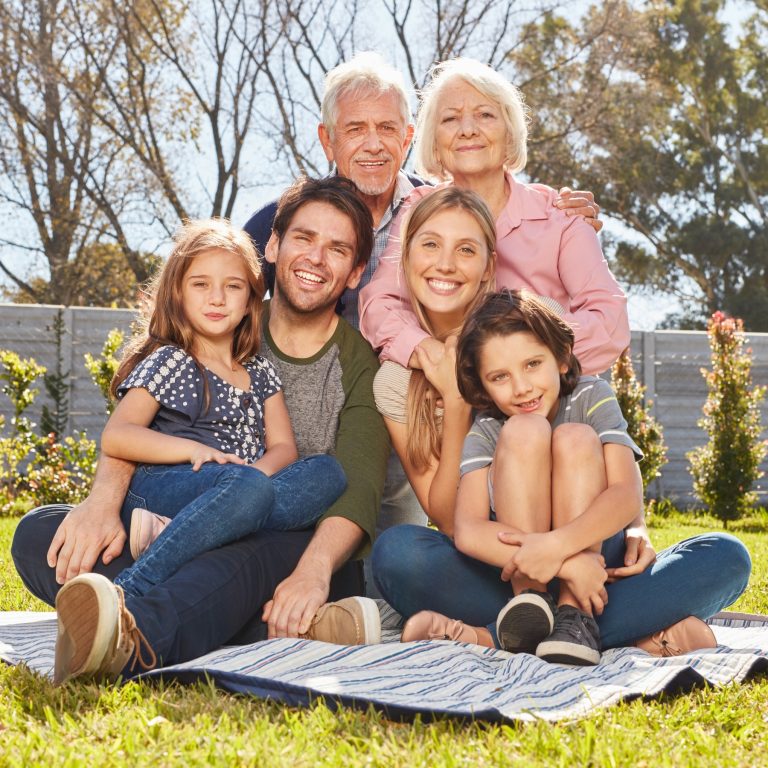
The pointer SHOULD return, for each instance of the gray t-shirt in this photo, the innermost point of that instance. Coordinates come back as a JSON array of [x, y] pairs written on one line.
[[593, 402]]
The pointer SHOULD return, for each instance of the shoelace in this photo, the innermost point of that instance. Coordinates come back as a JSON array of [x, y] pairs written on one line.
[[665, 647], [130, 630]]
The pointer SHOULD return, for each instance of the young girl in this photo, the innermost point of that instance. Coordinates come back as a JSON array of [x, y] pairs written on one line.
[[204, 416]]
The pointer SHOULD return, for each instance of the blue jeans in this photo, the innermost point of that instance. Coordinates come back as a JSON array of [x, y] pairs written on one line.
[[419, 569], [221, 503], [214, 599]]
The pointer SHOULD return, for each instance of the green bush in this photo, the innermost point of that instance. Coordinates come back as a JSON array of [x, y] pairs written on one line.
[[641, 425], [103, 368], [38, 469], [726, 468]]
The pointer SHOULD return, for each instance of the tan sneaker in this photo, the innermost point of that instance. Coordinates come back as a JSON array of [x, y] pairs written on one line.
[[351, 621], [97, 634], [690, 634], [429, 625], [146, 526]]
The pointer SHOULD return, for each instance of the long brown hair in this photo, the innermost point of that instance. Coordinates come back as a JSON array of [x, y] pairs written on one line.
[[502, 314], [424, 433], [164, 321]]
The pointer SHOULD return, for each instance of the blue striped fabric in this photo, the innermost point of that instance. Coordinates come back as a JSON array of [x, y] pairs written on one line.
[[437, 677]]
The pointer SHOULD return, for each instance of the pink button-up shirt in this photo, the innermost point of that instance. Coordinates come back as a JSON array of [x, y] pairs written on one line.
[[538, 248]]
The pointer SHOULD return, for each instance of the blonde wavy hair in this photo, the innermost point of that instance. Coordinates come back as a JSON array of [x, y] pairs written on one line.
[[424, 431]]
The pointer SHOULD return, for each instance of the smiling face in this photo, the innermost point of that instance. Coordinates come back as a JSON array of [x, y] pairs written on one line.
[[315, 259], [446, 264], [521, 375], [215, 294], [368, 142], [471, 134]]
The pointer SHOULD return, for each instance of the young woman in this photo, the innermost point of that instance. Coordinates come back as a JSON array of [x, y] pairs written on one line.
[[204, 416], [447, 269]]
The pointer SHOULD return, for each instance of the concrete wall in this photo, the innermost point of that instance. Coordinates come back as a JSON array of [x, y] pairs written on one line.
[[668, 362]]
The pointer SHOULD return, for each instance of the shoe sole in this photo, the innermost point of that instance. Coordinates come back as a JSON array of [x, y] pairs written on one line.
[[371, 620], [561, 652], [87, 614], [523, 623]]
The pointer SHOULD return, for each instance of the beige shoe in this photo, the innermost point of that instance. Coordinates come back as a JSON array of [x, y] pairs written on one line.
[[690, 634], [97, 634], [429, 625], [146, 526], [351, 621]]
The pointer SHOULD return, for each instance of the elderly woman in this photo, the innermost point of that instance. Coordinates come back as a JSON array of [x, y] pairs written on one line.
[[472, 132]]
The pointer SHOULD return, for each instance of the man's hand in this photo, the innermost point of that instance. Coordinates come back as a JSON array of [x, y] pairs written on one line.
[[83, 535], [581, 202], [639, 554], [538, 557], [295, 603]]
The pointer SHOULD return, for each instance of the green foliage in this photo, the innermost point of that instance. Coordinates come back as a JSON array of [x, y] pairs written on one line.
[[641, 425], [661, 110], [37, 469], [57, 386], [103, 368], [726, 468]]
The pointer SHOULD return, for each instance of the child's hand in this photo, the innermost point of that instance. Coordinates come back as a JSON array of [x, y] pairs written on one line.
[[537, 558], [639, 554], [204, 453], [585, 574], [439, 366]]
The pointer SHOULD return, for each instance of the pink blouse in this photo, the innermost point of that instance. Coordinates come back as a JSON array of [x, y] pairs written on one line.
[[538, 248]]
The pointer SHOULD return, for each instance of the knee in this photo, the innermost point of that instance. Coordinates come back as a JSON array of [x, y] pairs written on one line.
[[523, 434], [576, 442], [733, 562], [330, 470], [249, 484], [35, 530]]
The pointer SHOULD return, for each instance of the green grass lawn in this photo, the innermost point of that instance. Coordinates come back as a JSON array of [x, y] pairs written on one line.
[[159, 725]]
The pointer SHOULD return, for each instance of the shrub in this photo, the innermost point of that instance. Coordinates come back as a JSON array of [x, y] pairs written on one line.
[[103, 368], [38, 469], [726, 468], [641, 425]]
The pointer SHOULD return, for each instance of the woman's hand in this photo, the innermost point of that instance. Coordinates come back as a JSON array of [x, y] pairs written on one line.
[[203, 453], [439, 366], [639, 554], [538, 557]]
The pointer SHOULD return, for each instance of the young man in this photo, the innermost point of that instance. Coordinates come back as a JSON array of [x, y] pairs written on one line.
[[268, 584]]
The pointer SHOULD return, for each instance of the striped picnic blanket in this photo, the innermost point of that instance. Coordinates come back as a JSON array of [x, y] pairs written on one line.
[[436, 677]]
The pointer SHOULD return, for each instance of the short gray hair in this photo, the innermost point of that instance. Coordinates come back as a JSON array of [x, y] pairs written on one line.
[[367, 72], [492, 85]]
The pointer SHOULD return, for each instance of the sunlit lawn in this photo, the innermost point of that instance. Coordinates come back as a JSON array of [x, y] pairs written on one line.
[[140, 724]]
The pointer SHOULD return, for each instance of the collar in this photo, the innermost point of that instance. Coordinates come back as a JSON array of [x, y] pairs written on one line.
[[525, 203]]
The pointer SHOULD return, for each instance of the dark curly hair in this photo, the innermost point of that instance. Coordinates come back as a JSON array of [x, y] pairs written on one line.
[[501, 314]]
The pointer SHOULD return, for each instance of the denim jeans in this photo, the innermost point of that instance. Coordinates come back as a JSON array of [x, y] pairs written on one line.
[[214, 599], [419, 569], [221, 503]]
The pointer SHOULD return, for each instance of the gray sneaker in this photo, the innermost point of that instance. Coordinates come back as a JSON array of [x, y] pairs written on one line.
[[574, 640], [525, 621]]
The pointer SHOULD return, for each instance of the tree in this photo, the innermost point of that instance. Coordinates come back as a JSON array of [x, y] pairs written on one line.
[[54, 421], [677, 151], [726, 468]]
